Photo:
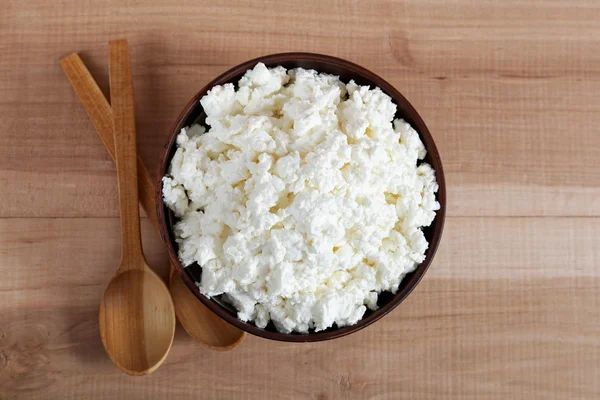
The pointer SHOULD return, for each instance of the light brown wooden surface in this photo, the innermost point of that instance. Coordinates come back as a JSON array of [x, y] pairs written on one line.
[[511, 305]]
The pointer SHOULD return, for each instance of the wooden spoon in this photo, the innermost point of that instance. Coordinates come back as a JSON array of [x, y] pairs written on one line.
[[137, 316], [197, 320]]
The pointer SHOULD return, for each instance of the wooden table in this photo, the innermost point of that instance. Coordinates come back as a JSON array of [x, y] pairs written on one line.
[[511, 92]]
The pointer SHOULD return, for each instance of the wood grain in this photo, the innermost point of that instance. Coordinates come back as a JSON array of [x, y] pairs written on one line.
[[510, 306], [481, 76], [123, 115], [505, 310]]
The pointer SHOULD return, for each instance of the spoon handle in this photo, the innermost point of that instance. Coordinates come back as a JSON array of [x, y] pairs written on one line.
[[97, 107], [121, 96]]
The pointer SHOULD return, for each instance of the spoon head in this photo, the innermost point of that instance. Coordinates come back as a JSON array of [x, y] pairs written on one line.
[[199, 322], [137, 321]]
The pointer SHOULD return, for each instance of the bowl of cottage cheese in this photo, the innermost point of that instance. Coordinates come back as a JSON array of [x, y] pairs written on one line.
[[301, 197]]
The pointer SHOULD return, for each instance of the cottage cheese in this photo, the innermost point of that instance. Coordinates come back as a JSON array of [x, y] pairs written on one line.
[[303, 201]]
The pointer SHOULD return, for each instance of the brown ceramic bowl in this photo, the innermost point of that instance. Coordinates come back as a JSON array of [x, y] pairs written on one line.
[[346, 71]]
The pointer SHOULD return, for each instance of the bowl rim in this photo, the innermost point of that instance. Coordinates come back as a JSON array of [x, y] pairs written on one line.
[[406, 110]]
